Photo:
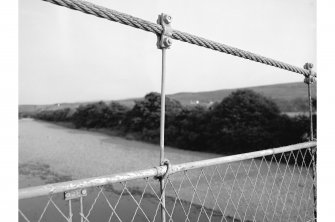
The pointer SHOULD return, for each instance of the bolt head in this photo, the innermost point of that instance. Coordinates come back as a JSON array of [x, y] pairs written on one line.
[[83, 192], [308, 66], [167, 19], [167, 42]]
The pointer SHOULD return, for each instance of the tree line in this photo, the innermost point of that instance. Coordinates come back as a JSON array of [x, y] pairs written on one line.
[[244, 121]]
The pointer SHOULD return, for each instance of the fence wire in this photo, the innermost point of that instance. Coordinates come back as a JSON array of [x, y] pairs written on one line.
[[277, 187]]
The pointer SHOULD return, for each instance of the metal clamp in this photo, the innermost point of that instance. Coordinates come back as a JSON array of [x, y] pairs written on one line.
[[164, 41], [166, 163], [309, 79], [73, 194]]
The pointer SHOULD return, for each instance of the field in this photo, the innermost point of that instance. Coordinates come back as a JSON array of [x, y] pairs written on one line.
[[49, 153]]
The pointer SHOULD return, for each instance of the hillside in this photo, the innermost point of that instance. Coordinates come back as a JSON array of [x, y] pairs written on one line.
[[290, 97], [286, 91]]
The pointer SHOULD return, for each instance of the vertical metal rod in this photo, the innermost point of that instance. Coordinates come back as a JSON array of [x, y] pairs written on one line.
[[314, 181], [311, 139], [162, 129], [310, 110], [162, 123], [81, 209], [70, 211]]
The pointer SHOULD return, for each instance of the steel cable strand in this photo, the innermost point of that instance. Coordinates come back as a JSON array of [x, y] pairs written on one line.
[[234, 51], [129, 20], [109, 14], [135, 22]]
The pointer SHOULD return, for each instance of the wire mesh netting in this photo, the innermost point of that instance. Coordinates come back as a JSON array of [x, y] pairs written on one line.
[[270, 188]]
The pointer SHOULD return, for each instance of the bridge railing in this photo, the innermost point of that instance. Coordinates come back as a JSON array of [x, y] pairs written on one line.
[[269, 185]]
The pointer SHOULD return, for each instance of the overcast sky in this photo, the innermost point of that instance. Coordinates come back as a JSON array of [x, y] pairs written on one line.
[[69, 56]]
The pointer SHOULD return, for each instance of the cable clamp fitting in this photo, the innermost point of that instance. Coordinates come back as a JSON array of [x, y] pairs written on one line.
[[309, 79], [164, 41], [166, 163]]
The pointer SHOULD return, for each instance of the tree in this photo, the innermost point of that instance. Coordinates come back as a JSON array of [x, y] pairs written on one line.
[[242, 122], [58, 115], [92, 115], [116, 114], [187, 129], [145, 115]]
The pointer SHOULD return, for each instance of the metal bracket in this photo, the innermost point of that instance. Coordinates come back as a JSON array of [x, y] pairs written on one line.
[[166, 163], [164, 41], [309, 79], [74, 194]]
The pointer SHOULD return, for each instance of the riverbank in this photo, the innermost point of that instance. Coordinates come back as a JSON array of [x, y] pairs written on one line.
[[82, 153]]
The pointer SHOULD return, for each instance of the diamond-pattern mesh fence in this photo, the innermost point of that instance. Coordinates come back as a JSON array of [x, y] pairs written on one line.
[[270, 188]]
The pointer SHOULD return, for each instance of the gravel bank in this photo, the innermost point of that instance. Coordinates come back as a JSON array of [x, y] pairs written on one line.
[[82, 154]]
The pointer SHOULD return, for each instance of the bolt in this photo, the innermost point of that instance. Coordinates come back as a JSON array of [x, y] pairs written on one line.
[[167, 42], [167, 19], [83, 192], [309, 79], [308, 66]]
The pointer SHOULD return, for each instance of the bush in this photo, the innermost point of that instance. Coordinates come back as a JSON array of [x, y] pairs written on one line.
[[145, 116], [187, 129], [242, 122], [91, 115], [99, 115], [116, 114], [59, 115]]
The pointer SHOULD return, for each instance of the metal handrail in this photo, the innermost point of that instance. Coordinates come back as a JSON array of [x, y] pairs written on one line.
[[50, 189]]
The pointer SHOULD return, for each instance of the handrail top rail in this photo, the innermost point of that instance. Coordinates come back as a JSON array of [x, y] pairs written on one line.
[[158, 171]]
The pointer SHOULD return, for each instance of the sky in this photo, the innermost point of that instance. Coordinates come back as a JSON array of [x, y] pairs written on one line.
[[69, 56]]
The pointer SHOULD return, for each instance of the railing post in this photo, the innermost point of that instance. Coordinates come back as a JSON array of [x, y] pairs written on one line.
[[163, 43], [70, 211], [162, 133], [309, 80]]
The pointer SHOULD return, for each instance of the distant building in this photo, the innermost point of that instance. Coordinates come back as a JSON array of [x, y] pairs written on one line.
[[196, 102]]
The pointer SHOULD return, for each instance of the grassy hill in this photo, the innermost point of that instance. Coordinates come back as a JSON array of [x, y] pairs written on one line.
[[290, 97], [286, 91]]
